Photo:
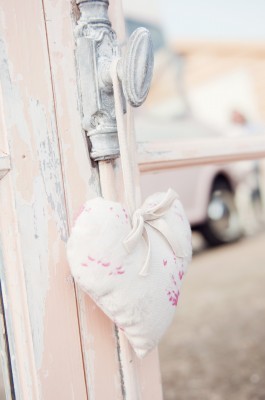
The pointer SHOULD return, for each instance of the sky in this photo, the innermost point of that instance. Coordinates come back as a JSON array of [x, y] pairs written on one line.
[[236, 20]]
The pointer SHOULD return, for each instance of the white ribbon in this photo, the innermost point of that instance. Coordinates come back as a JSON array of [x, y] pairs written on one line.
[[153, 216]]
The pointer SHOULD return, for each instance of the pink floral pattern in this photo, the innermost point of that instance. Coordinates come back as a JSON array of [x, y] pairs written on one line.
[[120, 213], [181, 274], [114, 270], [102, 267], [117, 271], [173, 297], [173, 292], [125, 214]]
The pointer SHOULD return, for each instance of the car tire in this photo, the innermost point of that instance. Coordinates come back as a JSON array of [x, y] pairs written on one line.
[[223, 224]]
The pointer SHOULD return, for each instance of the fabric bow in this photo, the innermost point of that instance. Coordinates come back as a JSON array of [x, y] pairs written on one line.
[[153, 216]]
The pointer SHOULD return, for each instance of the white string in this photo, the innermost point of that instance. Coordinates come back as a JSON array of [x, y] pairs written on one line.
[[153, 216], [125, 140]]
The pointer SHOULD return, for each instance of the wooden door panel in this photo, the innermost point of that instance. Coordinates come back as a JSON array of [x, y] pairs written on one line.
[[34, 229]]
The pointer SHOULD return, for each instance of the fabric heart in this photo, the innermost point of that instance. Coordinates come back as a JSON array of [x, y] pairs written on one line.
[[133, 269]]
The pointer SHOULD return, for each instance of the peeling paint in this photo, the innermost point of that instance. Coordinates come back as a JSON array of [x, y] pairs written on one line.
[[9, 333], [32, 224], [48, 151], [12, 99], [43, 303], [49, 160], [122, 383]]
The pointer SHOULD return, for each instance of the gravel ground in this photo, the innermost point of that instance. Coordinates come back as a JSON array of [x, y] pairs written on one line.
[[215, 348]]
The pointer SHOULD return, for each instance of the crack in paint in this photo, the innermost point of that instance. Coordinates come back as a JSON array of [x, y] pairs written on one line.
[[123, 391]]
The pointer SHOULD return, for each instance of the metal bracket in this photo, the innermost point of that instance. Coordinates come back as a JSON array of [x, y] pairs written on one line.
[[96, 46]]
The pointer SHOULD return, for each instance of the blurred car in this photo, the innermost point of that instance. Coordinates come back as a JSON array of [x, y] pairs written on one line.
[[208, 192]]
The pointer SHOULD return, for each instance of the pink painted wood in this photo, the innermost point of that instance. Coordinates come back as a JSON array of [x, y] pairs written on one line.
[[154, 156], [40, 296], [62, 345], [101, 366]]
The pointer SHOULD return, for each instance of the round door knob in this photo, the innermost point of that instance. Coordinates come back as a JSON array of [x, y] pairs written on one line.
[[137, 67]]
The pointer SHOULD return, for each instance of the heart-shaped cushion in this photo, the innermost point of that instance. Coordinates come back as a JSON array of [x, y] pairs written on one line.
[[133, 270]]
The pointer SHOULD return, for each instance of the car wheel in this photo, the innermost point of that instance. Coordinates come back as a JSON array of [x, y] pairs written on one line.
[[223, 223]]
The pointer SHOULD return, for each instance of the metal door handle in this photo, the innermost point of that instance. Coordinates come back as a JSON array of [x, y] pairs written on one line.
[[137, 67], [96, 46]]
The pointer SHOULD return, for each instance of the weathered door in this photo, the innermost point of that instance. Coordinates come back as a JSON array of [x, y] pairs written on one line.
[[59, 345]]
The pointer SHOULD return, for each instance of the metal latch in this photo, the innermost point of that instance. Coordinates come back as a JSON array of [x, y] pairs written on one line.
[[96, 46]]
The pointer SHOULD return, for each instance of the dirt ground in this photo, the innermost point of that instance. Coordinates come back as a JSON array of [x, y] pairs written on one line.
[[215, 348]]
